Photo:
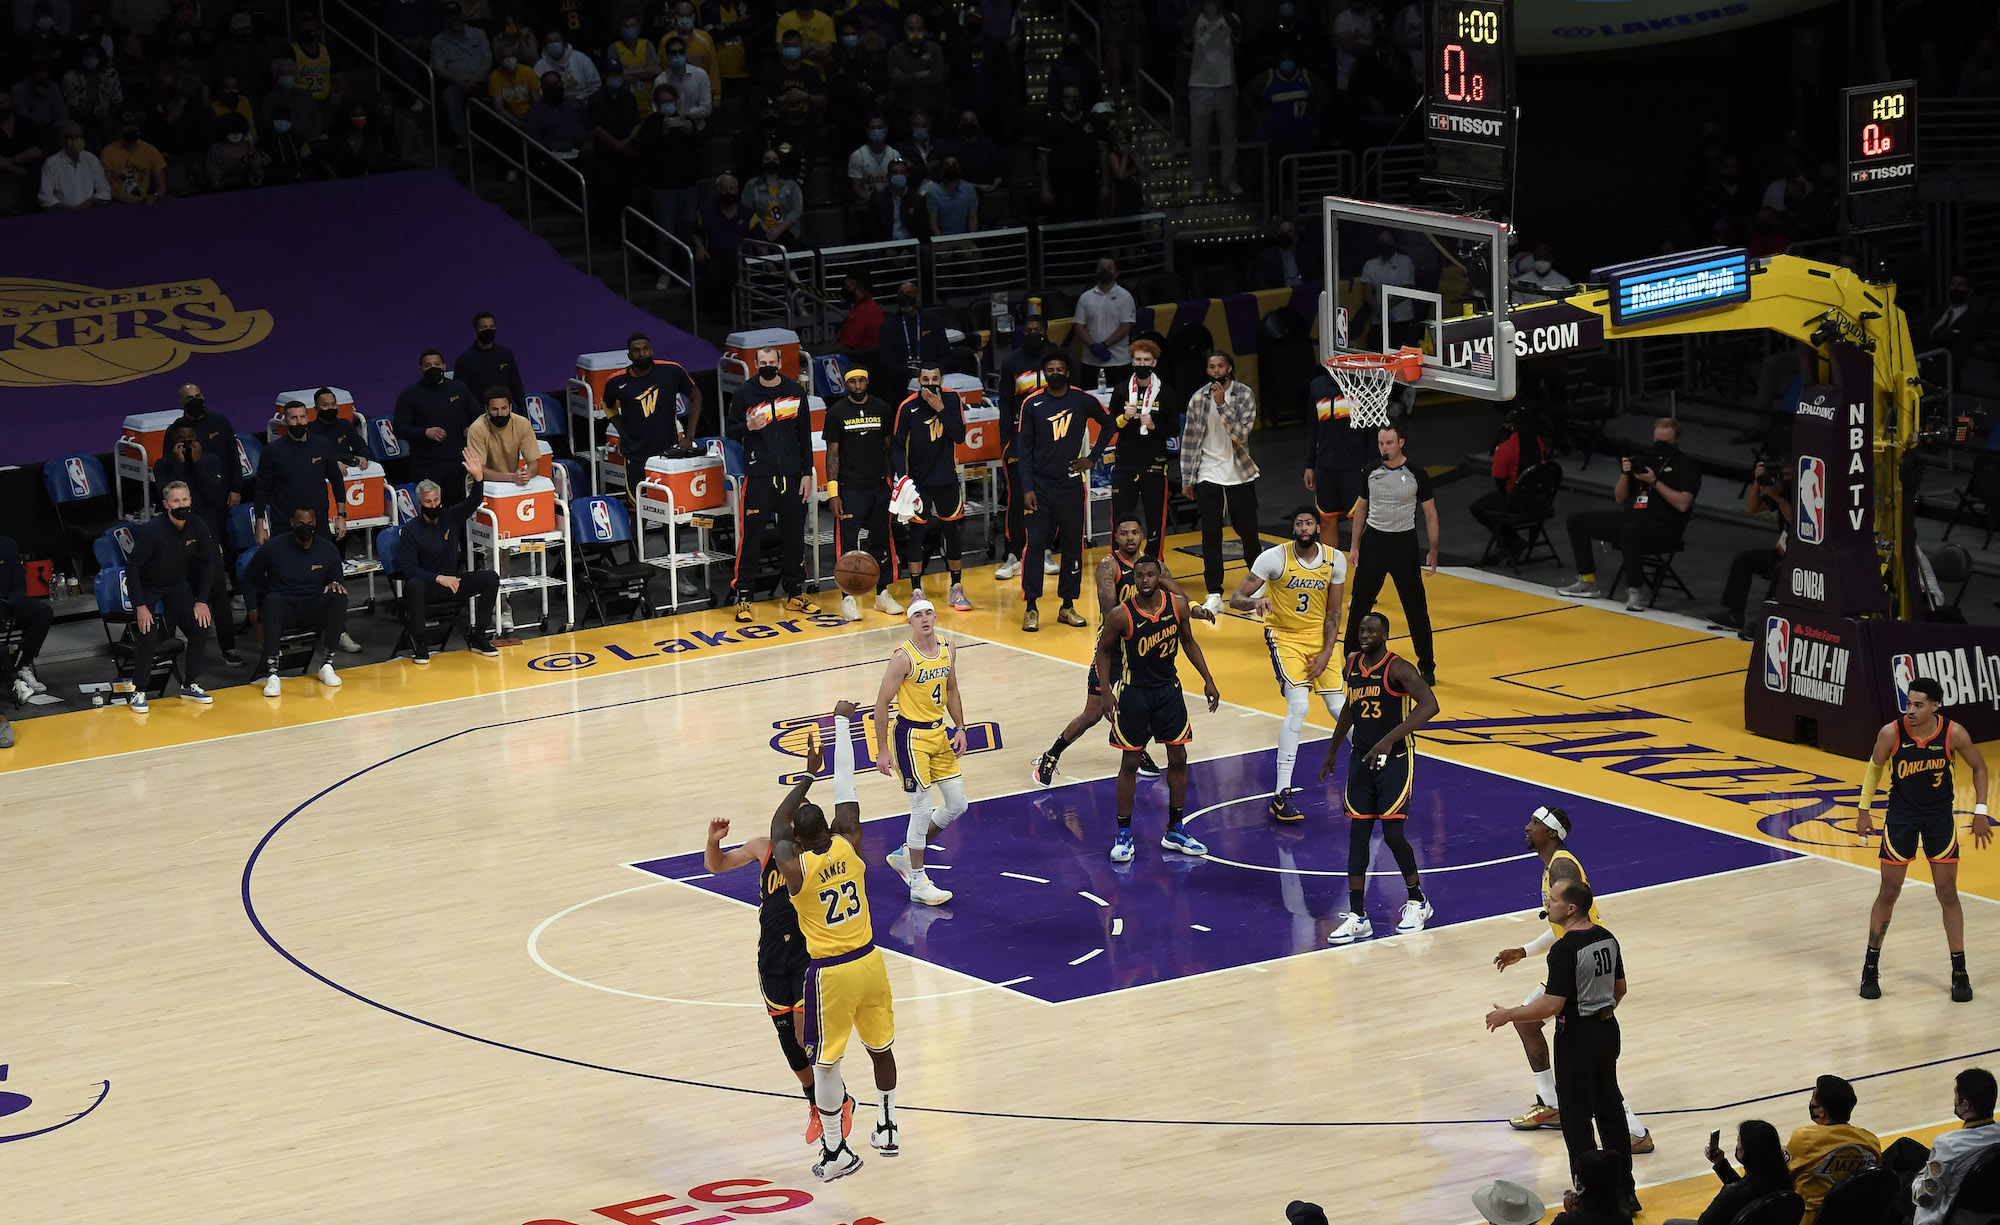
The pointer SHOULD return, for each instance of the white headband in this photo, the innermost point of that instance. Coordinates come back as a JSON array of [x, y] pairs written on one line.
[[1549, 817], [917, 606]]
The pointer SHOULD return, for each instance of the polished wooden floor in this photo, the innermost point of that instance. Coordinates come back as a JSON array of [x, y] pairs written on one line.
[[376, 955]]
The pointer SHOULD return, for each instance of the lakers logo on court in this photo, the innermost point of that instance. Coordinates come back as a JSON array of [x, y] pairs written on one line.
[[55, 334], [790, 739]]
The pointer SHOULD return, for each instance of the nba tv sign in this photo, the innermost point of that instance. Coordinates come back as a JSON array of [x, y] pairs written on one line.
[[1830, 564], [1968, 676], [1805, 661]]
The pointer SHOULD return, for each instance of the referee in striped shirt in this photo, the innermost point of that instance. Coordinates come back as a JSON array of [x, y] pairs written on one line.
[[1586, 983], [1387, 516]]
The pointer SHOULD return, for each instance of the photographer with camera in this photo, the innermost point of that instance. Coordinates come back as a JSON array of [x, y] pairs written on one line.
[[1770, 490], [1656, 490]]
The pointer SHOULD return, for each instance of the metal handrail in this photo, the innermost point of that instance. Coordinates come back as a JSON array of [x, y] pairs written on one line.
[[1406, 162], [580, 206], [753, 254], [979, 263], [377, 34], [1079, 244], [1330, 171], [627, 247], [1172, 123]]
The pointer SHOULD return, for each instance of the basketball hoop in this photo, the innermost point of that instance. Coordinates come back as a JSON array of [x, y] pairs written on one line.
[[1366, 380]]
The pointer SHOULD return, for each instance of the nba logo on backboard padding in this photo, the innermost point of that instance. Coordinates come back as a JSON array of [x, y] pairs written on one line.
[[1777, 654], [79, 480], [600, 519], [1902, 670], [1812, 500]]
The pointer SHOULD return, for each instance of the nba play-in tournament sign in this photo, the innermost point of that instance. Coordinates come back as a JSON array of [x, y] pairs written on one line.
[[56, 334]]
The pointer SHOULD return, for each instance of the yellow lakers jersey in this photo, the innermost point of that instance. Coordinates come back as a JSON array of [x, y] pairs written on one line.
[[315, 72], [1298, 596], [832, 900], [631, 59], [1594, 917], [920, 698]]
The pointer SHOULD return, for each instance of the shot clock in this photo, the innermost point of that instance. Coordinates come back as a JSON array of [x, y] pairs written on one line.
[[1469, 122], [1879, 155]]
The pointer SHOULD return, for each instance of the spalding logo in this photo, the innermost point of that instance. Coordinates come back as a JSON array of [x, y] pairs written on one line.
[[54, 334]]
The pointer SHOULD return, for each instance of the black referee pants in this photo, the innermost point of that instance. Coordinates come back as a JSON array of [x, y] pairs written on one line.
[[864, 511], [1057, 510], [1593, 1107], [1393, 555]]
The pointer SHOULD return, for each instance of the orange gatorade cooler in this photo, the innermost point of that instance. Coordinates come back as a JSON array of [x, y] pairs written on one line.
[[149, 430], [696, 482], [367, 493], [597, 369], [982, 435], [522, 510]]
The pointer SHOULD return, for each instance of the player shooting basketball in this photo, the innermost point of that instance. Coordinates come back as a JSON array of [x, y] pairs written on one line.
[[846, 985]]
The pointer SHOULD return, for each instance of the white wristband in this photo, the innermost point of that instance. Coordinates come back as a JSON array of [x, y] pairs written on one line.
[[1979, 810]]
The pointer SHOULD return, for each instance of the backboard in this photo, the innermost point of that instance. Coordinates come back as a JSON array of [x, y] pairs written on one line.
[[1437, 267]]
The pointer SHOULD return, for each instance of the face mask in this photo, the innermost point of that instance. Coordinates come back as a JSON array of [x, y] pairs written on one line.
[[552, 94], [876, 136], [1385, 251], [304, 532], [931, 389], [1034, 342], [1958, 297], [727, 200], [771, 171], [485, 335], [1288, 240], [907, 305], [850, 41], [793, 53], [1058, 383], [1142, 371], [951, 174], [298, 432], [557, 51], [614, 82], [179, 514], [90, 63], [1072, 107], [1218, 379], [631, 34], [329, 414], [1287, 67], [914, 37], [509, 64], [433, 376], [286, 83], [431, 513], [512, 29], [358, 122], [195, 406], [236, 138], [667, 109], [229, 96], [969, 130], [920, 134], [684, 24], [641, 364], [677, 61], [899, 181], [131, 134], [768, 374], [1105, 277], [1542, 267], [499, 420]]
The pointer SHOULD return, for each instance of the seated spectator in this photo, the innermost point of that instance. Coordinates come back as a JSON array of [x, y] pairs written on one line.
[[1388, 266], [232, 163], [38, 99], [308, 121], [172, 565], [210, 478], [978, 157], [463, 61], [694, 93], [924, 148], [1599, 1196], [512, 87], [557, 121], [952, 202], [433, 559], [1520, 450], [899, 212], [32, 615], [1955, 1152], [134, 169], [91, 89], [1765, 1172], [502, 441], [1656, 489], [74, 178], [861, 328], [797, 89], [777, 203], [721, 226], [1770, 491], [229, 100], [1829, 1148], [297, 575], [868, 166], [1125, 175], [1283, 264], [1542, 273], [355, 150], [289, 157], [21, 150], [580, 78], [516, 40]]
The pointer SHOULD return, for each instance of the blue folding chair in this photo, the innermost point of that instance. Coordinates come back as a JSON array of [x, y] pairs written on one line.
[[598, 525], [441, 617], [383, 443], [569, 478], [404, 498], [543, 419], [114, 608], [249, 450], [113, 547], [84, 501]]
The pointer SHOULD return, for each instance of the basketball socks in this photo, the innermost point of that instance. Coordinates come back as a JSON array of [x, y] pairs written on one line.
[[1124, 820], [1354, 900], [1062, 742], [1296, 702], [828, 1087], [1174, 819], [1871, 964], [1958, 965], [1416, 893], [1545, 1087], [1031, 605], [843, 761], [917, 837], [888, 1108], [1632, 1123]]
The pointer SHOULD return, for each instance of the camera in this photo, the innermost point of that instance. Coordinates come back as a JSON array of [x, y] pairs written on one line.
[[1644, 459], [1769, 470]]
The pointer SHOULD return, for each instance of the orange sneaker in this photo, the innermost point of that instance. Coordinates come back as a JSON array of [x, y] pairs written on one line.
[[814, 1128]]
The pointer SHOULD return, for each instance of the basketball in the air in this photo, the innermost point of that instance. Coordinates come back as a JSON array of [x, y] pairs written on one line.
[[856, 573]]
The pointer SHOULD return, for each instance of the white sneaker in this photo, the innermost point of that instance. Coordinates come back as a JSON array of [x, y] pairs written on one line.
[[1011, 568], [138, 702], [195, 693], [1415, 914], [1636, 599], [271, 685], [349, 645], [922, 891], [327, 677], [884, 1139], [1049, 563], [1580, 589], [886, 603], [839, 1165], [1213, 603], [28, 675], [1352, 927], [899, 861], [849, 610], [664, 283], [22, 692]]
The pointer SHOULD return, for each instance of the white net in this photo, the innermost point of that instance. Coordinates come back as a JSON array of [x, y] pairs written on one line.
[[1366, 388]]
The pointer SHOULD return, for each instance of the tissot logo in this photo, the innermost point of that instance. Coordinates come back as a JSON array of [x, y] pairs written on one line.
[[1465, 125], [55, 334]]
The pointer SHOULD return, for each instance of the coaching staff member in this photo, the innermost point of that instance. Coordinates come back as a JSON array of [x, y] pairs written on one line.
[[172, 565], [1020, 377], [770, 416], [1053, 444], [211, 487], [299, 575], [1586, 982], [1387, 516], [433, 551], [645, 402], [857, 486], [299, 472], [1660, 483], [431, 416], [923, 446], [488, 363], [1147, 413], [1338, 456]]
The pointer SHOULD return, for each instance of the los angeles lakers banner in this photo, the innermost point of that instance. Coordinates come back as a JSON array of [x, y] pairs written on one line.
[[106, 312]]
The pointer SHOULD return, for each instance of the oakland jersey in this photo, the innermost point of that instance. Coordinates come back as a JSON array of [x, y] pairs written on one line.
[[832, 901], [1920, 773], [1152, 648], [1378, 708]]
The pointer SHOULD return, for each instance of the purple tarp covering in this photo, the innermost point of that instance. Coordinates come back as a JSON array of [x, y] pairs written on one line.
[[107, 312]]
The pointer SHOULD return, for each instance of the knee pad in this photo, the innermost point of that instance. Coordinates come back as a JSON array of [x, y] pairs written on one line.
[[1359, 830], [952, 791], [788, 1041], [953, 533], [919, 833], [1297, 701], [1336, 702]]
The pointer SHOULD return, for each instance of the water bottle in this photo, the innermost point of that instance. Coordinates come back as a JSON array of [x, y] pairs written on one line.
[[1102, 385]]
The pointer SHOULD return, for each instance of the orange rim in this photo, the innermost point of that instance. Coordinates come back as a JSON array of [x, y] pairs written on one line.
[[1406, 364]]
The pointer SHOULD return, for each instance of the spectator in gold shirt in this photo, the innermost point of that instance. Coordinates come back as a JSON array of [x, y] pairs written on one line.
[[1830, 1148]]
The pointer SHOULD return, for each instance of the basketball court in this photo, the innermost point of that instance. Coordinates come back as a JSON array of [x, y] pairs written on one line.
[[440, 946]]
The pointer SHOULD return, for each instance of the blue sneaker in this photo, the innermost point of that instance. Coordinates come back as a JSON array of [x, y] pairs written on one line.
[[1123, 849], [1182, 841]]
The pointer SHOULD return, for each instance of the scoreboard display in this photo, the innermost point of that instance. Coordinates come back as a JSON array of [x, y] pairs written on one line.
[[1469, 123], [1879, 155]]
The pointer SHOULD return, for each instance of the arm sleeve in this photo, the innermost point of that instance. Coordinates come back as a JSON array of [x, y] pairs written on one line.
[[1540, 944], [1270, 564]]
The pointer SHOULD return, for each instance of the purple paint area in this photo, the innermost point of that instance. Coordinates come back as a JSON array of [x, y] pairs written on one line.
[[357, 276], [1177, 917]]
